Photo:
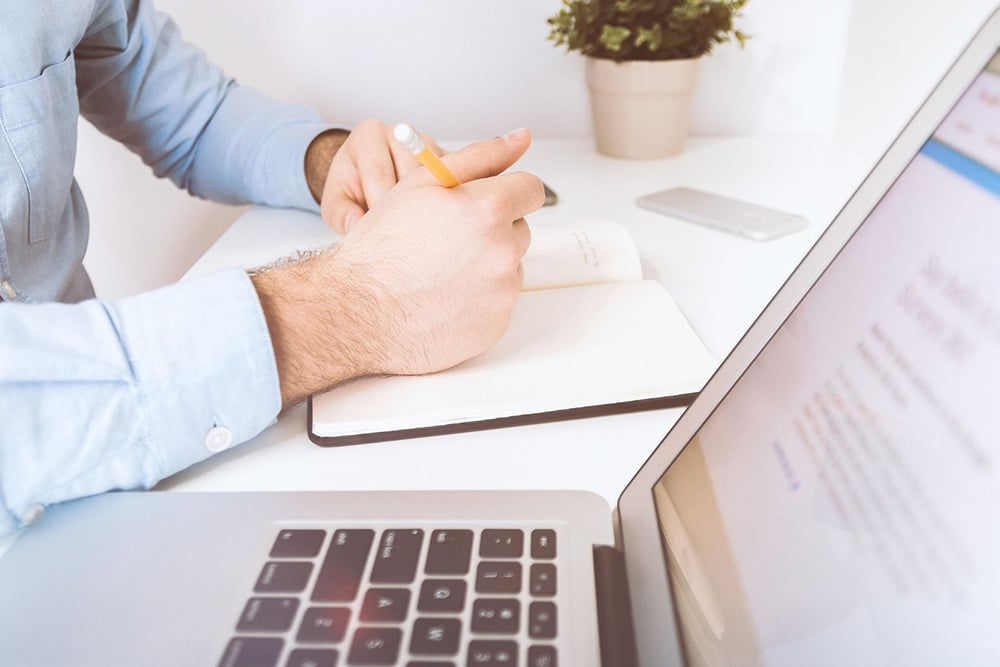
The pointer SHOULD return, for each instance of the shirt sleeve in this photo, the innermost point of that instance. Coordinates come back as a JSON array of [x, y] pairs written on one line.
[[106, 395], [141, 84]]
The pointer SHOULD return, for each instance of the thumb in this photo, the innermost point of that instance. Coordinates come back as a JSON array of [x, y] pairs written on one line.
[[489, 157]]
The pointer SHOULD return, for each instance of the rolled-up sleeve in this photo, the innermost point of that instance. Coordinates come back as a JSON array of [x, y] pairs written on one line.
[[141, 84], [106, 395]]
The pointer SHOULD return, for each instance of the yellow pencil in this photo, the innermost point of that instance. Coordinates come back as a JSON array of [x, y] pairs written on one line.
[[412, 142]]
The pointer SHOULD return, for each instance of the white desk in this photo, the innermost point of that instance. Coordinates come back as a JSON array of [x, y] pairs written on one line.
[[720, 281]]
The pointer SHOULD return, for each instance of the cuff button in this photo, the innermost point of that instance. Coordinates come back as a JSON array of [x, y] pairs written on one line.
[[218, 438], [31, 514]]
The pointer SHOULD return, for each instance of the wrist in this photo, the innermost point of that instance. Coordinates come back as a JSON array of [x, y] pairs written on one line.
[[318, 157], [323, 324]]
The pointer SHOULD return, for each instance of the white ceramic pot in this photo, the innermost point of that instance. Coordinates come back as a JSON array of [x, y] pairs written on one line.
[[641, 108]]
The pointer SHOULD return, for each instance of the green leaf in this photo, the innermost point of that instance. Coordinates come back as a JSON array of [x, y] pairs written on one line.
[[612, 37], [652, 37], [646, 29]]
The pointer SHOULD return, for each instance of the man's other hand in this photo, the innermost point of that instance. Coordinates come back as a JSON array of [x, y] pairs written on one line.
[[363, 166]]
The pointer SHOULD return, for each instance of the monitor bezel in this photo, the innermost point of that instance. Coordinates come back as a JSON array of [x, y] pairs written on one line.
[[636, 525]]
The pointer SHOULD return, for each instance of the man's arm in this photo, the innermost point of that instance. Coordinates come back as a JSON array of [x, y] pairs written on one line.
[[144, 86], [141, 84], [103, 395], [108, 395]]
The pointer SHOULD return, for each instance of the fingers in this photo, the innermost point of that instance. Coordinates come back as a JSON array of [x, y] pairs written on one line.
[[378, 174], [365, 168], [431, 144], [488, 158], [508, 196], [370, 163], [380, 169], [343, 202], [340, 205]]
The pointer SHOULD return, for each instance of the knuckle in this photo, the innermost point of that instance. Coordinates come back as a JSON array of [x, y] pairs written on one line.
[[506, 260], [491, 207], [534, 186], [522, 227], [370, 125]]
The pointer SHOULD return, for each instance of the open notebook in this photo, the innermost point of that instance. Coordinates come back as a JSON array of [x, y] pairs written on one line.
[[588, 336]]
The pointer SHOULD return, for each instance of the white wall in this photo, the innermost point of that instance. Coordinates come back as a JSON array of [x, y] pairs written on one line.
[[459, 69], [896, 53]]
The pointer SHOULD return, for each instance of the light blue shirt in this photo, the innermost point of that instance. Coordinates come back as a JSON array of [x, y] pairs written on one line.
[[98, 395]]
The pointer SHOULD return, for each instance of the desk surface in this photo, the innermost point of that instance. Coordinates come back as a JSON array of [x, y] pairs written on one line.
[[721, 282]]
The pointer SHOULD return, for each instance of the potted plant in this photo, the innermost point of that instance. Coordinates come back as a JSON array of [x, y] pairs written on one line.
[[642, 65]]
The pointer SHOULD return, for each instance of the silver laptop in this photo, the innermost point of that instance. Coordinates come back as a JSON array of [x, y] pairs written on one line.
[[831, 498]]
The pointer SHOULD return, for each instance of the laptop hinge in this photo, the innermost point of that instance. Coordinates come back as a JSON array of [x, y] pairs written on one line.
[[614, 609]]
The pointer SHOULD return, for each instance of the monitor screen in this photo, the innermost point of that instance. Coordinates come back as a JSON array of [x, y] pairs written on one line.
[[841, 505]]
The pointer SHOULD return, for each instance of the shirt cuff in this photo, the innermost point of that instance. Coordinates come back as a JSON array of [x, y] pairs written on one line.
[[202, 355], [284, 164], [254, 151]]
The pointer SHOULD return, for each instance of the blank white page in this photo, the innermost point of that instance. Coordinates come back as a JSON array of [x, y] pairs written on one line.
[[565, 348]]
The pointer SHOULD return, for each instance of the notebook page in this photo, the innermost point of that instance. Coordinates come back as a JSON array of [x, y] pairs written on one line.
[[565, 348]]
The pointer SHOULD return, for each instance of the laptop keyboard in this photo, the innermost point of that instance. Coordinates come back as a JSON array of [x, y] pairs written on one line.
[[457, 597]]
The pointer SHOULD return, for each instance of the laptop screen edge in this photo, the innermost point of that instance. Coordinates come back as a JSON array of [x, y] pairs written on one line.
[[636, 518]]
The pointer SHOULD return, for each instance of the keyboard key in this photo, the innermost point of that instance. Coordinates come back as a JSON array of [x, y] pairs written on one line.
[[542, 656], [312, 657], [484, 653], [496, 616], [543, 544], [375, 646], [429, 663], [385, 605], [283, 577], [298, 544], [502, 544], [397, 555], [498, 577], [442, 595], [268, 615], [542, 620], [252, 652], [324, 624], [543, 579], [436, 636], [449, 552], [340, 575]]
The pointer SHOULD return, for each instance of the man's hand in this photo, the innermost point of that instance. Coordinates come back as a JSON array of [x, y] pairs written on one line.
[[350, 173], [426, 279]]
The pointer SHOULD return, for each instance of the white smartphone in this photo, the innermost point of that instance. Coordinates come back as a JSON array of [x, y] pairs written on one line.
[[730, 215]]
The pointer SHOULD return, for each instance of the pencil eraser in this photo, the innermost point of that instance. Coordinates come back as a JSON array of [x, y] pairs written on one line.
[[408, 138]]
